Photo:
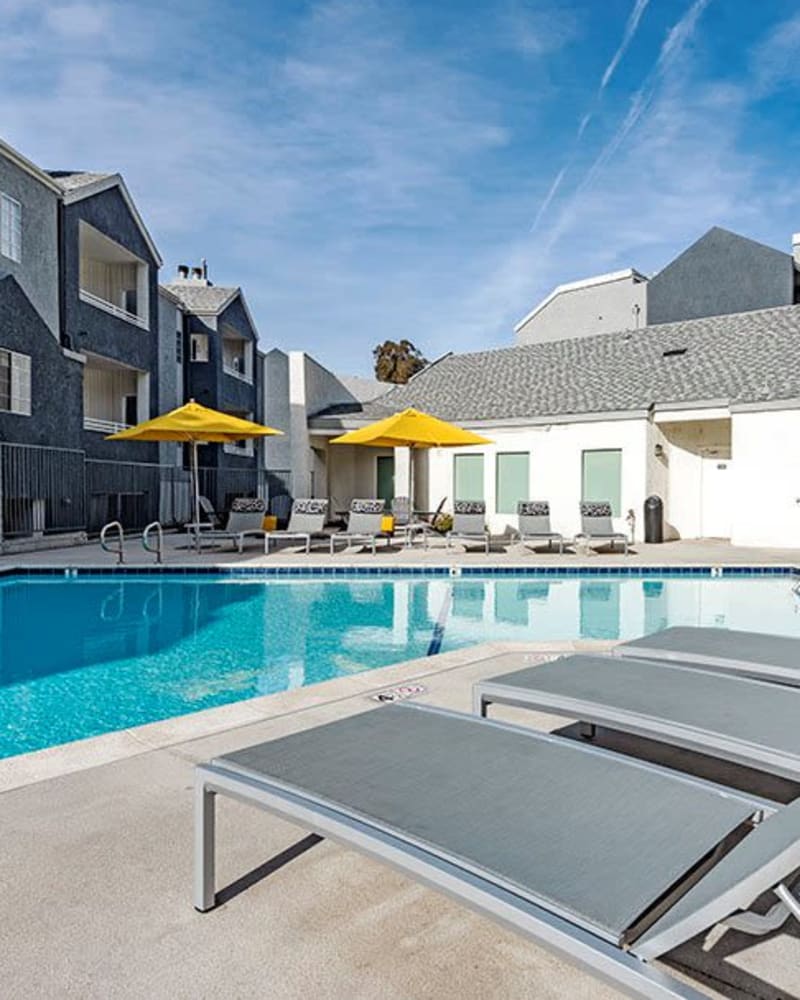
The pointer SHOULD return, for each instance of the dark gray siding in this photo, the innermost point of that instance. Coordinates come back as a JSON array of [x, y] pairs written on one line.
[[37, 272], [210, 385], [92, 330], [720, 274], [56, 381]]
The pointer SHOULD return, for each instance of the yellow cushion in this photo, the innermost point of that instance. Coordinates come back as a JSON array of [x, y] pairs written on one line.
[[387, 524], [270, 522]]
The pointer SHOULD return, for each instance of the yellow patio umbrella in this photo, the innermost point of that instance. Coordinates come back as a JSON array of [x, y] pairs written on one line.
[[411, 429], [194, 424]]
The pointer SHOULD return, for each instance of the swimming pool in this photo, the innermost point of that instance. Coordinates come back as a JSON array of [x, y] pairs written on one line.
[[90, 654]]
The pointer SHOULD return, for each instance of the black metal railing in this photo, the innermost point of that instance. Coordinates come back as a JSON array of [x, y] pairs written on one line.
[[47, 490], [41, 490]]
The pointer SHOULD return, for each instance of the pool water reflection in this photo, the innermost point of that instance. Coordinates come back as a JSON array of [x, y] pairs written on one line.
[[88, 655]]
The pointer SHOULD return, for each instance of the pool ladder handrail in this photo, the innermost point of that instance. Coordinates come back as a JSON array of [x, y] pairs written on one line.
[[119, 552], [158, 551]]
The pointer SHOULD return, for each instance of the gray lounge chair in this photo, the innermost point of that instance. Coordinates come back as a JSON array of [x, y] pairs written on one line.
[[533, 518], [363, 524], [207, 509], [306, 520], [746, 721], [406, 526], [606, 861], [469, 524], [246, 519], [773, 658], [597, 526]]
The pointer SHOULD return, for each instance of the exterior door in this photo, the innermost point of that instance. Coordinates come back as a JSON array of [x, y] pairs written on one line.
[[715, 497], [385, 478]]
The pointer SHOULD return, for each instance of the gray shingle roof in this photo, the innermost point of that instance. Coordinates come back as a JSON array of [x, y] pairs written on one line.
[[364, 389], [741, 358], [202, 298], [69, 180]]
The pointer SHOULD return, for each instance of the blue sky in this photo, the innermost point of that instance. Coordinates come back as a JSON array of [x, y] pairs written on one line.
[[370, 169]]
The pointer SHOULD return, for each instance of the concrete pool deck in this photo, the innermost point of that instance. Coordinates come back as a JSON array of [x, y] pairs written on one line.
[[96, 868], [689, 552]]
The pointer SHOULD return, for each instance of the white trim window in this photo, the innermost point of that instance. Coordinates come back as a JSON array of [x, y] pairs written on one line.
[[198, 347], [10, 228], [244, 448], [15, 383]]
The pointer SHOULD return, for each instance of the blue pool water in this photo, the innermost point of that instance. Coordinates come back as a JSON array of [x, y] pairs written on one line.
[[92, 654]]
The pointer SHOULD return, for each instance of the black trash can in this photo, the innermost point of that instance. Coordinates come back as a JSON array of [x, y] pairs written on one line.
[[654, 519]]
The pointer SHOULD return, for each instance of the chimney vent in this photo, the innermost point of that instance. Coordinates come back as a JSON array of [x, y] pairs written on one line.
[[183, 270], [197, 273]]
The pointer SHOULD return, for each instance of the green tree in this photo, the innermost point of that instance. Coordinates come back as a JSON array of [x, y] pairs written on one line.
[[397, 361]]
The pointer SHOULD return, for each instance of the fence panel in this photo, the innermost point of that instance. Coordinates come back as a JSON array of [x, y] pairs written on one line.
[[42, 490], [128, 492], [46, 490]]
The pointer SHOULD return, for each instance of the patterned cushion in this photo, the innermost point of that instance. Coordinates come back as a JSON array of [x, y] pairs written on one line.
[[367, 506], [533, 508], [595, 508], [248, 505], [310, 506], [469, 507]]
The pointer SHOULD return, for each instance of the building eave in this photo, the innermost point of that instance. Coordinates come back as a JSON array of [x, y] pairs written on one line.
[[23, 163], [106, 184]]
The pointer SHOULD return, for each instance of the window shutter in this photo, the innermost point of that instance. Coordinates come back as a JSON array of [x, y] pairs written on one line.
[[20, 384], [10, 228]]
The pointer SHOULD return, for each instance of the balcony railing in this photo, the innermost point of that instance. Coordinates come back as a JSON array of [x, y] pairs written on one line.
[[94, 300], [103, 426], [236, 373], [245, 448]]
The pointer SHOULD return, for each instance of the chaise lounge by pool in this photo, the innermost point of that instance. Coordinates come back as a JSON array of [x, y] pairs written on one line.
[[90, 653]]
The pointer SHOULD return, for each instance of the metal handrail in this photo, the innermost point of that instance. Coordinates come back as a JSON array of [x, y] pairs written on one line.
[[158, 551], [120, 552]]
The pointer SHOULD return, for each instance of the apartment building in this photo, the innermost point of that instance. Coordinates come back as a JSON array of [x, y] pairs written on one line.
[[91, 344]]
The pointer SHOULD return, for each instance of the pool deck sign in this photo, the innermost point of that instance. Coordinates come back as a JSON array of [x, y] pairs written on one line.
[[400, 693]]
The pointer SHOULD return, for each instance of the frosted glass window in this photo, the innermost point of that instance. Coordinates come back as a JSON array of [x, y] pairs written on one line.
[[602, 477], [468, 477], [512, 480]]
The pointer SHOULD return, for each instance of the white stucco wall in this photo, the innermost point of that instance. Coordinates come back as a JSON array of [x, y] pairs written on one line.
[[555, 468], [582, 312], [677, 476], [766, 480]]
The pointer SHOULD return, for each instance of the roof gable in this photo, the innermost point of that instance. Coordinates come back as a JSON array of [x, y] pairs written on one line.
[[79, 184]]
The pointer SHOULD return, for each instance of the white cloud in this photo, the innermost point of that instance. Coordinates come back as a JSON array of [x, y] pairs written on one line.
[[776, 60], [678, 167], [332, 179], [78, 20], [631, 27]]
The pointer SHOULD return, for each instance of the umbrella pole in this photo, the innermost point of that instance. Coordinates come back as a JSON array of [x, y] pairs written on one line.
[[196, 490], [411, 480]]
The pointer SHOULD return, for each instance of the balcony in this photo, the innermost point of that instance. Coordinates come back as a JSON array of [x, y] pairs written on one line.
[[112, 278], [104, 426], [237, 356], [245, 448], [114, 396], [109, 307]]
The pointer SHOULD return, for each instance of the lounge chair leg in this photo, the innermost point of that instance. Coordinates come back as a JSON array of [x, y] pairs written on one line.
[[480, 706], [204, 800], [587, 730]]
